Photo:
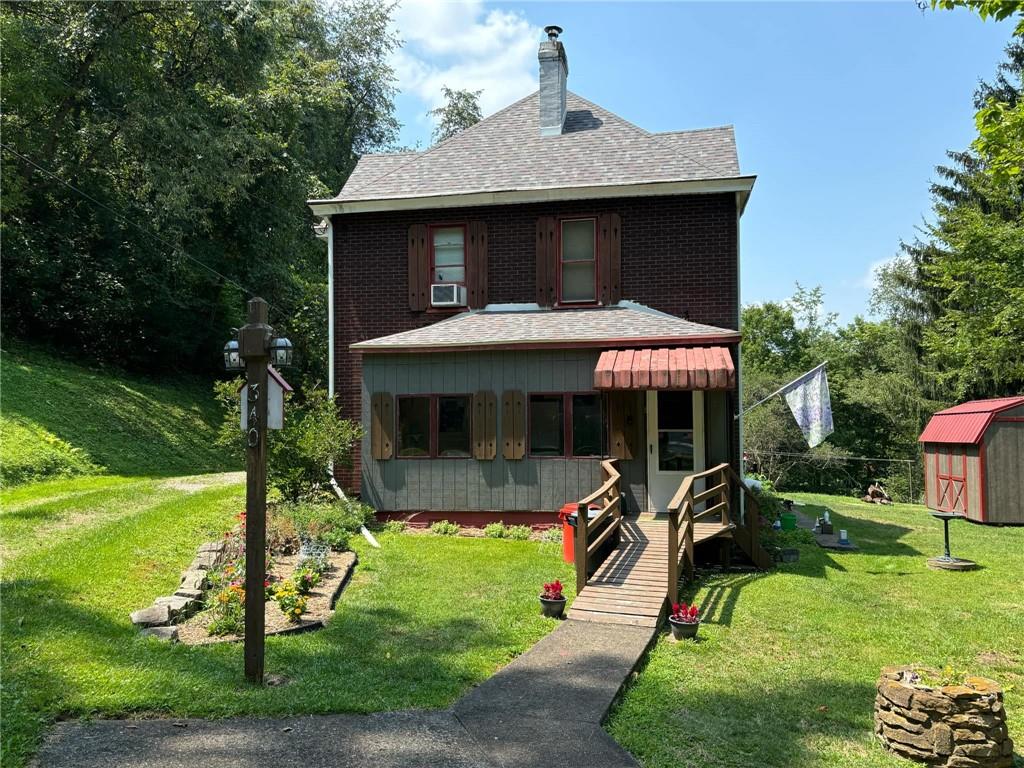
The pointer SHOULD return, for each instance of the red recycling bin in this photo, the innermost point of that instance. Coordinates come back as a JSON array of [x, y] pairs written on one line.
[[569, 530]]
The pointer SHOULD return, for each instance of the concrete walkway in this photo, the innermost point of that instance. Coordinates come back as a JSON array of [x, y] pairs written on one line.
[[543, 709]]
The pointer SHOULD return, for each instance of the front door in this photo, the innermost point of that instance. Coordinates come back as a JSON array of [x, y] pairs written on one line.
[[675, 443]]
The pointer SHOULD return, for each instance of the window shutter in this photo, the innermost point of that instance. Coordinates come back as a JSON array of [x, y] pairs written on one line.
[[547, 260], [513, 424], [485, 422], [419, 268], [476, 264], [609, 257], [624, 423], [382, 426]]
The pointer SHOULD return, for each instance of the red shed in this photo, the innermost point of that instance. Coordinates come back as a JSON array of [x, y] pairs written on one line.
[[974, 461]]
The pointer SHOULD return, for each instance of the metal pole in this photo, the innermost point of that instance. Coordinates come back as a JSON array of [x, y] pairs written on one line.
[[945, 530], [253, 342]]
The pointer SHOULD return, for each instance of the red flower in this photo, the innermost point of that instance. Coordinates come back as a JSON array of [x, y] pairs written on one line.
[[688, 614]]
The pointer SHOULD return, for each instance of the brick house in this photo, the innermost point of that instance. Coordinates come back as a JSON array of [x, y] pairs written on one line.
[[549, 288]]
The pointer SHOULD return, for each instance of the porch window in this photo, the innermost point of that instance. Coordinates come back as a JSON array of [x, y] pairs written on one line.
[[578, 262], [675, 431], [567, 425], [413, 427], [448, 254], [453, 429]]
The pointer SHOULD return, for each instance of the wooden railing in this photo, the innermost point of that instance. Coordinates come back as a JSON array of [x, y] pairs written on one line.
[[721, 483], [610, 498]]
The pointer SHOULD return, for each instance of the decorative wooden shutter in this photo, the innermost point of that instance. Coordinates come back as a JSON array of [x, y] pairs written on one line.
[[547, 260], [609, 257], [476, 264], [419, 268], [485, 423], [513, 424], [382, 426], [624, 424]]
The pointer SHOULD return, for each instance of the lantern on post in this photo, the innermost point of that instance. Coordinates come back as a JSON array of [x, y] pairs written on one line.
[[232, 358], [281, 352]]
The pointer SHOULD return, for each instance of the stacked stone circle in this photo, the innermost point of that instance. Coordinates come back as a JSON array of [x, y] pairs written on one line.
[[959, 726]]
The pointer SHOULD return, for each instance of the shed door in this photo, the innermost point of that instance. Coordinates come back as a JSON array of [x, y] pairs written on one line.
[[951, 480]]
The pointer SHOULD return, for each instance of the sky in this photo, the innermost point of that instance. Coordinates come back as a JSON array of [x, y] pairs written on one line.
[[842, 110]]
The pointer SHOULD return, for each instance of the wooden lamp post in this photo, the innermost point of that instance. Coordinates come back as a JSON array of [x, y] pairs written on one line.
[[254, 349]]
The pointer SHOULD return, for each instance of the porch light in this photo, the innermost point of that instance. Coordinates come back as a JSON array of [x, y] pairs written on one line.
[[281, 351], [232, 360]]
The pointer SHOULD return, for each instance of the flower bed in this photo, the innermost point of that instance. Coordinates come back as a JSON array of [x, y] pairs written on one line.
[[959, 725]]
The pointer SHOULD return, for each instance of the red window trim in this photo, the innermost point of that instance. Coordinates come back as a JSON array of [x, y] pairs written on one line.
[[432, 424], [568, 449], [560, 303]]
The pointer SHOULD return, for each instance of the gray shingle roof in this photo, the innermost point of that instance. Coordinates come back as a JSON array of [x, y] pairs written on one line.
[[506, 152], [621, 325]]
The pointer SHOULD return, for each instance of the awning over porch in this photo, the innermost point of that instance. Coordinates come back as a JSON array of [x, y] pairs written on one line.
[[676, 368]]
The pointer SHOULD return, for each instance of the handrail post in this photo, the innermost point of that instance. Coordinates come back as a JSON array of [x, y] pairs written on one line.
[[726, 480], [688, 546], [673, 556], [581, 547]]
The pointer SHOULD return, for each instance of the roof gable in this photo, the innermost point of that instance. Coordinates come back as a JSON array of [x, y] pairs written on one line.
[[966, 423], [505, 152]]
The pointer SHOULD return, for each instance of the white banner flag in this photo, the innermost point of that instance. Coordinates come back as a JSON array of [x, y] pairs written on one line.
[[809, 401]]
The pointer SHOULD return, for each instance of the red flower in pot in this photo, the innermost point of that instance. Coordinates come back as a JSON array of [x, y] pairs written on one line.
[[552, 601], [684, 620]]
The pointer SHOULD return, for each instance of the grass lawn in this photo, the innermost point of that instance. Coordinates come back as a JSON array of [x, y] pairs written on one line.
[[425, 617], [784, 672], [62, 419]]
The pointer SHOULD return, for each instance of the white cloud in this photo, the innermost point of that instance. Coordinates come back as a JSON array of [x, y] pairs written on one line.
[[462, 45], [870, 278]]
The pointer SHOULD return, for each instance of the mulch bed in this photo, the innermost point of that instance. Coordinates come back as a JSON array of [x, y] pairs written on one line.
[[319, 605]]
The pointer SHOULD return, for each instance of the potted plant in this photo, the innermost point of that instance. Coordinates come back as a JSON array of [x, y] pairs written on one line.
[[552, 601], [684, 620]]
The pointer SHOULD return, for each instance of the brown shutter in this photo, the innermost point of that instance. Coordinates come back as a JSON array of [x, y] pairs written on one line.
[[419, 267], [382, 426], [513, 425], [485, 418], [609, 257], [624, 424], [476, 264], [547, 260]]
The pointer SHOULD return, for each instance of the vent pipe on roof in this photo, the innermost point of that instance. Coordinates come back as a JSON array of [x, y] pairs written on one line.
[[554, 69]]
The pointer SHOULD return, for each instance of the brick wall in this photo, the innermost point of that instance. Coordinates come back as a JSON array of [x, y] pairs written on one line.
[[678, 255]]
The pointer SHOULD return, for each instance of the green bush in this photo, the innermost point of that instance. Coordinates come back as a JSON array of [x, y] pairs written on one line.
[[395, 526], [495, 530], [28, 453], [520, 532], [445, 528], [331, 523], [313, 438], [552, 536]]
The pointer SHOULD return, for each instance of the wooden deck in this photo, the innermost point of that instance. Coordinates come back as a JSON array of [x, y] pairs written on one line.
[[631, 585]]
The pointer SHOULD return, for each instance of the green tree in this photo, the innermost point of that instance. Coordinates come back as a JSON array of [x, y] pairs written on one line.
[[144, 140], [460, 111]]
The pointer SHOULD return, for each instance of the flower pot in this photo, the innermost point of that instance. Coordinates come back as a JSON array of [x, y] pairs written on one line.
[[790, 555], [682, 630], [552, 609]]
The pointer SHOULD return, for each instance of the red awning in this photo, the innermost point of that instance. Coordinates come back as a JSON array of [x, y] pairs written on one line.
[[679, 368]]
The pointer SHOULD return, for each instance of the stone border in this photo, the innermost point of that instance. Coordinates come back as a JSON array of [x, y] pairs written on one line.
[[953, 726], [158, 619]]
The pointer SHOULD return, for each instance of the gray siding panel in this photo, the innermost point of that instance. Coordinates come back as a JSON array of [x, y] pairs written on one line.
[[1004, 478], [457, 485]]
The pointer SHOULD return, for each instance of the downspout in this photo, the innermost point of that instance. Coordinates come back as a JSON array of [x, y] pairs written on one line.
[[739, 360], [329, 234]]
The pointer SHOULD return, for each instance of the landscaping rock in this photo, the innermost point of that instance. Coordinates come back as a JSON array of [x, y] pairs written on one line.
[[204, 561], [193, 579], [192, 594], [177, 605], [212, 546], [154, 616], [953, 726], [170, 634]]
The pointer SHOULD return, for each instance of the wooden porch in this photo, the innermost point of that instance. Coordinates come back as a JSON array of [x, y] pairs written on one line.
[[635, 583]]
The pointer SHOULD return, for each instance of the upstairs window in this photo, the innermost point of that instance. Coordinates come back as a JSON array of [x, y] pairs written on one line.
[[578, 262], [448, 255]]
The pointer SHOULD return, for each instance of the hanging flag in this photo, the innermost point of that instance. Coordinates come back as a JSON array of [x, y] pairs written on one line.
[[809, 401]]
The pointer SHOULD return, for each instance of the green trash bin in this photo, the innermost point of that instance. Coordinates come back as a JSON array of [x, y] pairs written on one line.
[[788, 521]]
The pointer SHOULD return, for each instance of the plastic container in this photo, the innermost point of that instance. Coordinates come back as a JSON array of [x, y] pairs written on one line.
[[567, 514], [788, 521]]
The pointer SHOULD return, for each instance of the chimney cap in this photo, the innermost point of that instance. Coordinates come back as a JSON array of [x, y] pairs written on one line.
[[553, 32]]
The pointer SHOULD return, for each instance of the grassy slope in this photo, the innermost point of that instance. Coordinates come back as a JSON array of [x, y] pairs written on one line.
[[60, 419], [785, 670], [424, 618]]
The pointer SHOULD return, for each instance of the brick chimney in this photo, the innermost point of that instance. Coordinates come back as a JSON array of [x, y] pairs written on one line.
[[554, 68]]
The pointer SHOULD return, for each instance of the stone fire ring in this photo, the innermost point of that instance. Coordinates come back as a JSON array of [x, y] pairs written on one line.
[[955, 726]]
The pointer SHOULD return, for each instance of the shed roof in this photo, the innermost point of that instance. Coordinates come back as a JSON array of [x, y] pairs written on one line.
[[528, 326], [966, 423]]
